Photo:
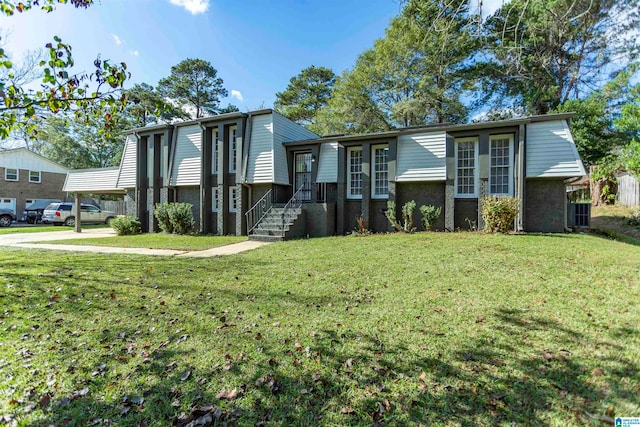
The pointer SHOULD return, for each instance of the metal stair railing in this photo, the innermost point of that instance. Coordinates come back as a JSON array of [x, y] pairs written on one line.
[[294, 203], [258, 211]]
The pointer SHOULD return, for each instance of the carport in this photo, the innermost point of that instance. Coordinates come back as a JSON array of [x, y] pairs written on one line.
[[91, 181]]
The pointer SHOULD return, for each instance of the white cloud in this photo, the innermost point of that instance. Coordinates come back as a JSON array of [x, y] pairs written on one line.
[[237, 94], [134, 53], [116, 39], [193, 6]]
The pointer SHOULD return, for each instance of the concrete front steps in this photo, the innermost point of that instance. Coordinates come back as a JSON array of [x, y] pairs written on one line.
[[275, 228]]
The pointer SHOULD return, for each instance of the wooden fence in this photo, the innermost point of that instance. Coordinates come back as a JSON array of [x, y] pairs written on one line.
[[116, 206], [628, 191]]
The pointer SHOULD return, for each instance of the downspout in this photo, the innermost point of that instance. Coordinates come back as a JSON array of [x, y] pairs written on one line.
[[521, 178], [204, 208], [137, 189]]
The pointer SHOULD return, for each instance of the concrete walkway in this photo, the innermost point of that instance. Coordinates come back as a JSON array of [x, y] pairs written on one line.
[[26, 240]]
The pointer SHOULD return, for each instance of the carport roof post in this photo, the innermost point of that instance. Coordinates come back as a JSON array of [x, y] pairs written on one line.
[[76, 212]]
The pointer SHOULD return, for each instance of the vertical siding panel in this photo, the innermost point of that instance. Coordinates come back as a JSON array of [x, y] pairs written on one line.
[[186, 165], [328, 162], [260, 167], [127, 173]]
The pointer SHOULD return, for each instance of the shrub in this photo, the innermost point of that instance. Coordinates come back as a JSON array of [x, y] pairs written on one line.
[[407, 216], [361, 229], [499, 213], [181, 218], [161, 213], [125, 225], [430, 215], [634, 218]]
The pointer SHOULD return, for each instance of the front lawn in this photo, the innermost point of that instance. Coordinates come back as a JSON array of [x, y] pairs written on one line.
[[157, 241], [422, 329], [42, 228]]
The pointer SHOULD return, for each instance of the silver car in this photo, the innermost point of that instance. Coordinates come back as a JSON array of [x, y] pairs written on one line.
[[64, 213]]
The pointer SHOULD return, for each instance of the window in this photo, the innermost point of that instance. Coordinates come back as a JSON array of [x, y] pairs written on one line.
[[10, 174], [233, 148], [215, 199], [150, 160], [380, 179], [233, 199], [501, 168], [35, 176], [354, 173], [466, 167], [214, 153]]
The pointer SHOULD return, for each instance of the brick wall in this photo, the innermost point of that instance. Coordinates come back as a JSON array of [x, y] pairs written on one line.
[[50, 187]]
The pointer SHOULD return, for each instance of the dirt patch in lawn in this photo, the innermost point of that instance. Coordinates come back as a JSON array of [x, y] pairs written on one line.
[[614, 221]]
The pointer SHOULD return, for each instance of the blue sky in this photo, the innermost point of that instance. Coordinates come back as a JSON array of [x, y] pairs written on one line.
[[256, 46]]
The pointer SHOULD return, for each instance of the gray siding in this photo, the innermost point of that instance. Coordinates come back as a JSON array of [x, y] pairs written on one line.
[[551, 151], [91, 180], [127, 173], [422, 157], [260, 167], [186, 165], [284, 130], [328, 162]]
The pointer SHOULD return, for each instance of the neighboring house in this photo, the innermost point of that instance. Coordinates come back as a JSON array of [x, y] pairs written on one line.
[[26, 177], [226, 165]]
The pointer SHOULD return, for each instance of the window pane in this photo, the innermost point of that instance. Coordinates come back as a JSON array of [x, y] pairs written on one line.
[[355, 172], [500, 169], [381, 171], [466, 167]]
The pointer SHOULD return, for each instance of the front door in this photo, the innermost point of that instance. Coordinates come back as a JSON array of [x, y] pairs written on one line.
[[303, 176]]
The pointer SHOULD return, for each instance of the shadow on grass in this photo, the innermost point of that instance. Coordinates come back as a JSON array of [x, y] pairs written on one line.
[[481, 383]]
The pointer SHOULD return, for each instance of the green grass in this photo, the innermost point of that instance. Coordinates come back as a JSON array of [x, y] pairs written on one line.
[[43, 228], [422, 329], [157, 241]]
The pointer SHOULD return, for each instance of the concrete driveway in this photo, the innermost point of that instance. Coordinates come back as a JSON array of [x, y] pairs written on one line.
[[47, 236]]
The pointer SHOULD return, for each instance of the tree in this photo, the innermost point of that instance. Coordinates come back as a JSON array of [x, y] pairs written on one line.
[[305, 95], [146, 106], [542, 53], [415, 75], [95, 94], [79, 143], [194, 83], [629, 122], [230, 108]]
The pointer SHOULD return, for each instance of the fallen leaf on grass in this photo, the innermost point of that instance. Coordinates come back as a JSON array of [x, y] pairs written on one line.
[[185, 376], [227, 394], [347, 410]]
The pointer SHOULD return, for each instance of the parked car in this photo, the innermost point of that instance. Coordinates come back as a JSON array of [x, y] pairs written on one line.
[[33, 212], [63, 213], [6, 217]]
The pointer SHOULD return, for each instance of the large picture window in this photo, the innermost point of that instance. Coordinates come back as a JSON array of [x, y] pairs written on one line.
[[354, 176], [233, 148], [380, 178], [501, 167], [466, 167]]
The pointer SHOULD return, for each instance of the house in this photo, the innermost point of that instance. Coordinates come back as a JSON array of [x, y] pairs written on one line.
[[26, 177], [261, 174]]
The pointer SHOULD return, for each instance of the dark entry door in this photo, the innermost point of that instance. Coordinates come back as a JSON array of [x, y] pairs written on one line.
[[303, 176]]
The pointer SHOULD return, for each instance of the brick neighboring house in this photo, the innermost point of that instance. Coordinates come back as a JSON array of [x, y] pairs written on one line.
[[259, 173], [26, 177]]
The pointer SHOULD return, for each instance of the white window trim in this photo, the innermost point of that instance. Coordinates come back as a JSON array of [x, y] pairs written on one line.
[[373, 172], [349, 151], [232, 161], [476, 174], [39, 181], [233, 199], [6, 172], [511, 154], [214, 153], [215, 199]]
